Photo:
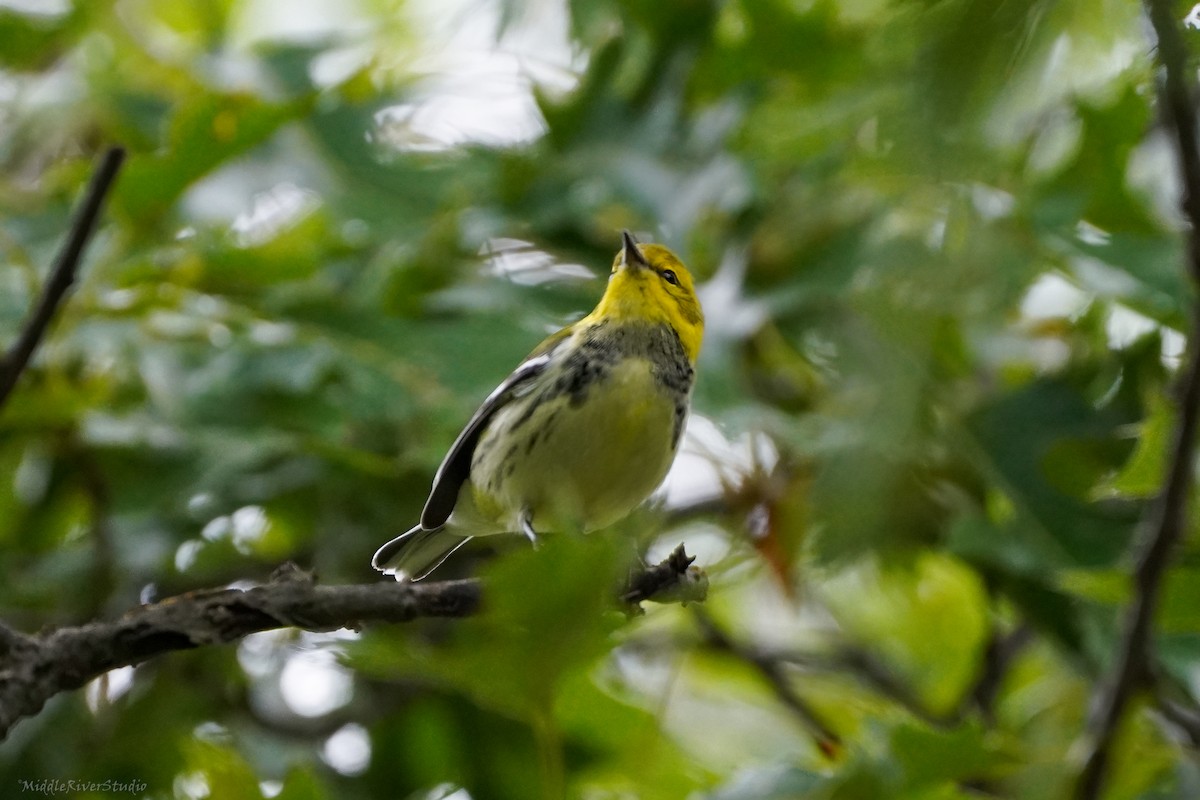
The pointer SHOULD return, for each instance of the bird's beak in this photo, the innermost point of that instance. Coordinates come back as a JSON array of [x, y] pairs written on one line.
[[631, 255]]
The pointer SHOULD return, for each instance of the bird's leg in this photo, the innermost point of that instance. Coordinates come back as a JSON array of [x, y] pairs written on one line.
[[527, 528]]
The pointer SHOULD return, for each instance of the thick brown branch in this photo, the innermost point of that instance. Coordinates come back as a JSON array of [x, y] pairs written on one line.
[[35, 668], [38, 667], [1164, 523], [11, 641], [62, 275]]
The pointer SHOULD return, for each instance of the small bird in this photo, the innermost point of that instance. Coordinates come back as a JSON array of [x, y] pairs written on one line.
[[581, 432]]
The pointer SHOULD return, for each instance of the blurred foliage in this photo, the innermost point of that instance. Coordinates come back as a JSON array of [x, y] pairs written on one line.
[[941, 263]]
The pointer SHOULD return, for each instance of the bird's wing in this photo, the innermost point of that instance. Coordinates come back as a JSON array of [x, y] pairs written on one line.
[[456, 467]]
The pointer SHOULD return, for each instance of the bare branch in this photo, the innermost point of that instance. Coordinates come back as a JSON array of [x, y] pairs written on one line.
[[35, 668], [56, 661], [848, 659], [1164, 522], [774, 671], [1001, 649], [62, 275], [1183, 716]]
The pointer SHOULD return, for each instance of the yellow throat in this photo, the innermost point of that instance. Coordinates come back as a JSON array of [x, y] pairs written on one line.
[[649, 283]]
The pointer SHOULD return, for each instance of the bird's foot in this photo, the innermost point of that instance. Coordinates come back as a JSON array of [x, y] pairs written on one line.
[[527, 529]]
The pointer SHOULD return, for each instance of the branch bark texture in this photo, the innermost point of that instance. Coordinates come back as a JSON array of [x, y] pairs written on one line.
[[35, 668], [1164, 522]]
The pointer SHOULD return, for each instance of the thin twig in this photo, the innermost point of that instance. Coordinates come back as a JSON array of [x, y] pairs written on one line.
[[848, 659], [62, 275], [998, 656], [1184, 717], [774, 671], [1164, 522]]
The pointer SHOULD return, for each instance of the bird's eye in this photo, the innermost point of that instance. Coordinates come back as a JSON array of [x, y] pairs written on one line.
[[670, 277]]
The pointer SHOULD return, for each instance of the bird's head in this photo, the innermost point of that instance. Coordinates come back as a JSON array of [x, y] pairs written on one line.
[[650, 283]]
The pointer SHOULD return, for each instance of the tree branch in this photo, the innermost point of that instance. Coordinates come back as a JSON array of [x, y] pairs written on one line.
[[62, 275], [1164, 522], [773, 670], [998, 656], [1184, 717], [848, 659], [11, 641], [35, 668]]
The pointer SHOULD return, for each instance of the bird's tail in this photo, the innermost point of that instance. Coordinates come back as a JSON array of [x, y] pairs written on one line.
[[413, 555]]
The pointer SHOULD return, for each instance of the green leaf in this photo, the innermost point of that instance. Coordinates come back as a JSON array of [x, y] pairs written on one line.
[[773, 783], [1142, 474], [1180, 605], [932, 757], [206, 132], [33, 41], [546, 612], [928, 617], [1048, 446], [222, 770], [302, 783]]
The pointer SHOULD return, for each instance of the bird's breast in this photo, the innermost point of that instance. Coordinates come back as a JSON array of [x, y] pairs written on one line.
[[593, 440]]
